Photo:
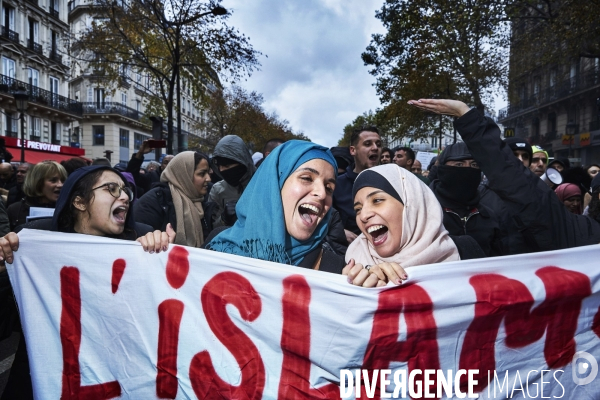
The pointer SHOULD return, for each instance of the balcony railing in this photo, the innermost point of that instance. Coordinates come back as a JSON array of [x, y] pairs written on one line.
[[33, 2], [54, 56], [10, 34], [553, 93], [10, 134], [103, 107], [54, 13], [40, 96], [31, 45]]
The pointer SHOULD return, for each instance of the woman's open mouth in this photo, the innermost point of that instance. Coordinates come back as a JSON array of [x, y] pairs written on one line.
[[120, 213], [308, 213], [378, 234]]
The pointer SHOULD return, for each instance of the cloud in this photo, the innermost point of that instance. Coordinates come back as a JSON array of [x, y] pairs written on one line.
[[312, 74]]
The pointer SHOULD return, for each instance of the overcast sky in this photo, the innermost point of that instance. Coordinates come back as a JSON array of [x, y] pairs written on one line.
[[312, 74]]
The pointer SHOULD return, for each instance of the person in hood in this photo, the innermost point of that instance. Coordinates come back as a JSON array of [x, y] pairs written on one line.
[[535, 208], [570, 195], [93, 201], [456, 188], [232, 162]]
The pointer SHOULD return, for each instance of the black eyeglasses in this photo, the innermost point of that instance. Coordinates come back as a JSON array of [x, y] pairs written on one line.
[[115, 190]]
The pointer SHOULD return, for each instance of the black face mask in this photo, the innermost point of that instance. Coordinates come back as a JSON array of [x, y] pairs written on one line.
[[459, 184], [234, 175]]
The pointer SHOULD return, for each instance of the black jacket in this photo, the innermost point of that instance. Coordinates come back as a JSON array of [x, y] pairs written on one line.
[[477, 221], [144, 182], [343, 201], [156, 209], [535, 211]]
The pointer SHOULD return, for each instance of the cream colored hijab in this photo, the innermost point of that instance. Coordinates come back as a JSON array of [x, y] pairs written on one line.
[[424, 238], [179, 174]]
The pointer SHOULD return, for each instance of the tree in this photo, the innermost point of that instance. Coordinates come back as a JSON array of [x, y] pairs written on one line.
[[555, 31], [369, 118], [436, 48], [235, 111], [169, 40]]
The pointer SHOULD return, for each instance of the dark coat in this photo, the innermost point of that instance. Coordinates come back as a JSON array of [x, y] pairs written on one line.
[[156, 209], [343, 201], [536, 212], [19, 211], [477, 221]]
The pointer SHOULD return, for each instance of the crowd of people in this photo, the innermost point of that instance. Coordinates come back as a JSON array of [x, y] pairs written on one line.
[[364, 211]]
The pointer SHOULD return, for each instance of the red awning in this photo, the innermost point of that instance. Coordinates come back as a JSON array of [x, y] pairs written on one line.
[[34, 157]]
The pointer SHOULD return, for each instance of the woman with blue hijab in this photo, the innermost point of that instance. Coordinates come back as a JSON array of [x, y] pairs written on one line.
[[284, 212]]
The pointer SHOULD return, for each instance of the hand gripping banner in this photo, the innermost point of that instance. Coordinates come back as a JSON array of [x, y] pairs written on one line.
[[103, 319]]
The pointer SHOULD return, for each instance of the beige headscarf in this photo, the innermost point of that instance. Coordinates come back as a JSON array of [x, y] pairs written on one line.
[[424, 238], [186, 199]]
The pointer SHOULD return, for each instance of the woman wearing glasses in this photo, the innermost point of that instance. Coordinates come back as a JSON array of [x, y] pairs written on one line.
[[93, 201]]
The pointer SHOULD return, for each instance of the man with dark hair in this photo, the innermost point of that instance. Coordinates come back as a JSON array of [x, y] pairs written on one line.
[[270, 146], [386, 155], [365, 148], [16, 193], [404, 157]]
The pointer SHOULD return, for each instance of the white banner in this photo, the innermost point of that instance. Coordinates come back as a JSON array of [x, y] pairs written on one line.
[[103, 319]]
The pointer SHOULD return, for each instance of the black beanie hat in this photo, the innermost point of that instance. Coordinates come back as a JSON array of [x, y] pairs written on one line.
[[519, 144], [455, 152]]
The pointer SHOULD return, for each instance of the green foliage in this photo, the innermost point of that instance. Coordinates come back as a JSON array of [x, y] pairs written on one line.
[[436, 49], [367, 119]]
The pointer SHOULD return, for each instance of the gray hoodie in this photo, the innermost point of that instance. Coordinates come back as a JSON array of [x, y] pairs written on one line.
[[234, 148]]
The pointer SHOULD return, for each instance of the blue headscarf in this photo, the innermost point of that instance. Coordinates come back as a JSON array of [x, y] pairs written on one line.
[[259, 231]]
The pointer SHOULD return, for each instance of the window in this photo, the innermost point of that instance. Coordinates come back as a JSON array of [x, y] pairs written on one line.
[[138, 139], [553, 74], [99, 97], [55, 132], [138, 105], [34, 31], [54, 90], [54, 43], [11, 124], [34, 77], [124, 138], [124, 98], [98, 133], [35, 131], [8, 67], [8, 17]]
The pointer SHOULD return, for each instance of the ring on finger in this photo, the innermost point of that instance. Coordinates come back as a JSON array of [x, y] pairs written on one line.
[[368, 267]]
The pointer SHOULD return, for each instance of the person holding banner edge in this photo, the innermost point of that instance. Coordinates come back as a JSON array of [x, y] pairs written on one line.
[[94, 201], [401, 225]]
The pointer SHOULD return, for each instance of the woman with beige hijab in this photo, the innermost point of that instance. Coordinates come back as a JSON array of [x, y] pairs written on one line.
[[178, 199], [402, 226]]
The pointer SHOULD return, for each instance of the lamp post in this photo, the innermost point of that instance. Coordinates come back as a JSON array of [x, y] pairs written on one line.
[[215, 11], [21, 99], [570, 130]]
